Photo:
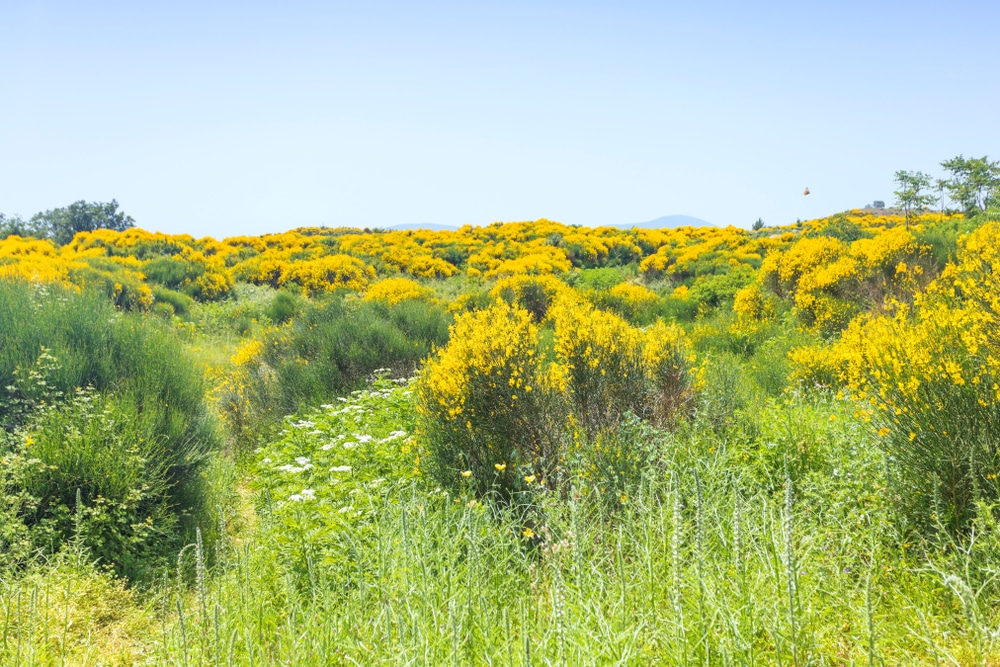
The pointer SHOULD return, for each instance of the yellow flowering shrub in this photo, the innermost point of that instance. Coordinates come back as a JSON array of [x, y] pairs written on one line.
[[536, 294], [426, 266], [486, 405], [34, 260], [395, 290], [630, 300], [750, 304], [603, 357], [249, 387], [820, 365], [930, 375], [328, 274], [261, 270], [668, 359]]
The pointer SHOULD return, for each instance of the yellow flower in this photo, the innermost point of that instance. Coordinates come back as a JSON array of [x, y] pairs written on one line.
[[529, 533], [466, 473], [529, 479], [500, 466]]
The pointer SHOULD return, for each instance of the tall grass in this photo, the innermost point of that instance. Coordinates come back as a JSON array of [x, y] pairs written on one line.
[[105, 403], [331, 346], [699, 565]]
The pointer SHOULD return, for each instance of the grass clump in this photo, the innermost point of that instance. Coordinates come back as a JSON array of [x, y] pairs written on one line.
[[333, 345], [106, 405]]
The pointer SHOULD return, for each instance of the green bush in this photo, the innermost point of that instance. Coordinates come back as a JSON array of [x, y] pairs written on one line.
[[179, 302], [133, 441], [332, 346], [718, 289], [603, 278], [171, 272], [336, 345], [283, 307], [123, 288]]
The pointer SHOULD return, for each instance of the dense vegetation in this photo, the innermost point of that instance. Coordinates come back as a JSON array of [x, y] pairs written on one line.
[[526, 443]]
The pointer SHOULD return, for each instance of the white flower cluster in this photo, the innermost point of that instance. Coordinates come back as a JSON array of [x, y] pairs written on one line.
[[306, 494], [303, 465]]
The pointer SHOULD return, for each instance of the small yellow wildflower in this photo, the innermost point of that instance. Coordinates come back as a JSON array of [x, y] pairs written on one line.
[[500, 466], [529, 479], [466, 473], [528, 533]]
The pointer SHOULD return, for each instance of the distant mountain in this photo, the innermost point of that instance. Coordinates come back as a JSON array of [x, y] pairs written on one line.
[[670, 222], [430, 226]]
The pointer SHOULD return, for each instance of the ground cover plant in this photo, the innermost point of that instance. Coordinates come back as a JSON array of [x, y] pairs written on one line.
[[526, 443]]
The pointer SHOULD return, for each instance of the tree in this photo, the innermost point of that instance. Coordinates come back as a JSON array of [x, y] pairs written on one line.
[[974, 184], [62, 224], [758, 224], [911, 193], [14, 226]]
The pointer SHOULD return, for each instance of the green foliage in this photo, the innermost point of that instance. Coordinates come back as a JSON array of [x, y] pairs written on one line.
[[332, 472], [111, 453], [672, 308], [284, 306], [613, 464], [333, 345], [62, 224], [843, 228], [728, 392], [123, 288], [974, 184], [717, 289], [599, 279], [911, 194], [172, 272], [14, 226], [180, 303], [133, 442]]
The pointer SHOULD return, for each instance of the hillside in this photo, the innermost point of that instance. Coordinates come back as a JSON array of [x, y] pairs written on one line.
[[513, 444]]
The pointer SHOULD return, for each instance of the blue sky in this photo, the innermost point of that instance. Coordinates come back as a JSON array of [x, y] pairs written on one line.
[[242, 118]]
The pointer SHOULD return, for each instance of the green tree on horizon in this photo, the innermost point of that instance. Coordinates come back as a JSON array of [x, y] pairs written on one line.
[[60, 225]]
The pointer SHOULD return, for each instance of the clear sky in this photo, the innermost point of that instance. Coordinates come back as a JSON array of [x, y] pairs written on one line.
[[226, 118]]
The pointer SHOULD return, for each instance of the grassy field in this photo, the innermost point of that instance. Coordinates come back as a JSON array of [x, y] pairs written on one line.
[[790, 461]]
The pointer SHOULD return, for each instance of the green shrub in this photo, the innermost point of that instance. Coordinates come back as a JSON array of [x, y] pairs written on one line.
[[55, 343], [179, 302], [727, 392], [110, 452], [332, 346], [283, 307], [123, 288], [718, 289], [172, 272], [614, 463], [599, 279], [678, 309]]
